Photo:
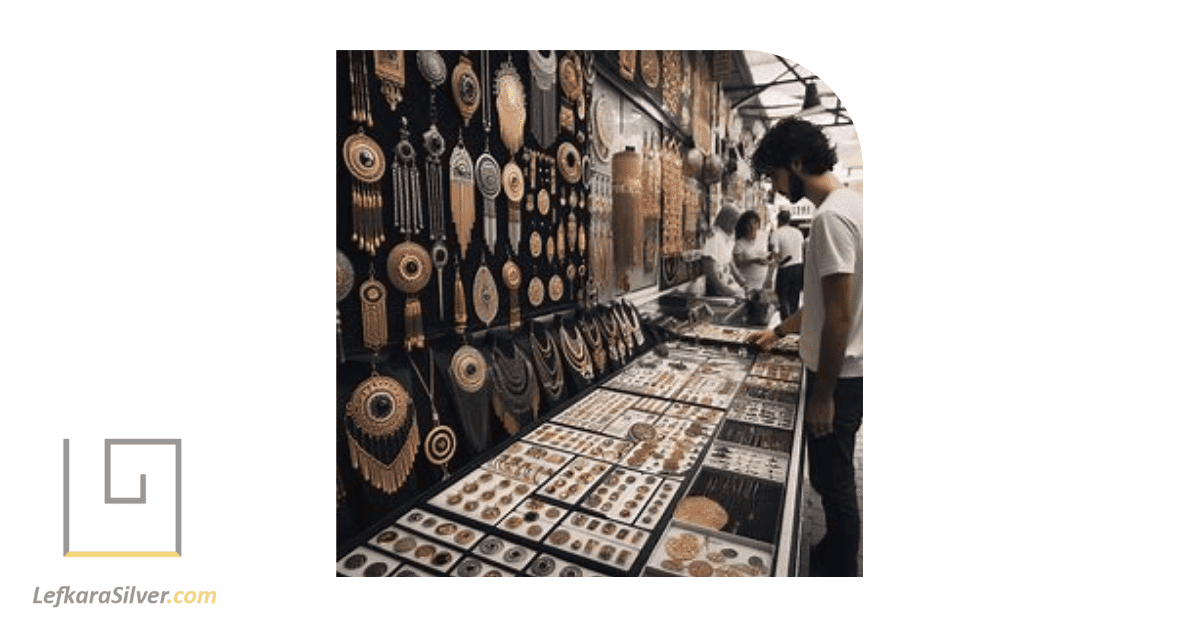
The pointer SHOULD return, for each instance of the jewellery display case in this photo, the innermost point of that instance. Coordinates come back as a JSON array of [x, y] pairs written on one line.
[[620, 482]]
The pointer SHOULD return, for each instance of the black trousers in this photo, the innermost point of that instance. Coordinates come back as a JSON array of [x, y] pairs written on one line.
[[789, 281], [831, 469]]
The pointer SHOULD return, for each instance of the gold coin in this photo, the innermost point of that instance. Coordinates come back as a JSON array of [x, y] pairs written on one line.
[[700, 569]]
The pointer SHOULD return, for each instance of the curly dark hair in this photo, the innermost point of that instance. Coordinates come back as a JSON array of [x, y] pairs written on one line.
[[742, 230], [791, 139]]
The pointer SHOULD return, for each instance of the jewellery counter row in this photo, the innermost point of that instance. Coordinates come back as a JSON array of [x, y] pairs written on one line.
[[683, 463]]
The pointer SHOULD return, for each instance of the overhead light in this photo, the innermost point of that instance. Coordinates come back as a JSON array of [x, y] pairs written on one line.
[[812, 102]]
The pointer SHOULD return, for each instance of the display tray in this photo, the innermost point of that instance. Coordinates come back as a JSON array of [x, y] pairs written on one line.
[[472, 567], [747, 507], [759, 463], [693, 412], [483, 495], [717, 333], [547, 566], [756, 436], [597, 539], [765, 389], [687, 550], [597, 446], [505, 553], [778, 367], [415, 549], [621, 425], [674, 449], [366, 562], [422, 522], [574, 480], [654, 376], [596, 410], [411, 571], [708, 389], [622, 494], [532, 519], [763, 412]]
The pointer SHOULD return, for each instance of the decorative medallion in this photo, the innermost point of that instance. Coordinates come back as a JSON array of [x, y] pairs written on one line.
[[432, 66], [543, 203], [440, 445], [535, 244], [464, 87], [409, 267], [487, 178], [555, 288], [569, 163], [486, 296], [536, 292], [373, 298], [462, 195], [468, 368], [380, 409], [379, 406], [511, 274], [510, 103], [514, 182], [570, 78]]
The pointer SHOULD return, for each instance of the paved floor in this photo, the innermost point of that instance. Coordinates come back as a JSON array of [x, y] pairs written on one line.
[[814, 516]]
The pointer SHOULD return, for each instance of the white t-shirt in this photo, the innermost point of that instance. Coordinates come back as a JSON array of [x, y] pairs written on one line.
[[835, 246], [719, 247], [788, 240], [754, 274]]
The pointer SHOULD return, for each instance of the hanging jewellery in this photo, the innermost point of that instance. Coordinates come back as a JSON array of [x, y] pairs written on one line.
[[409, 269], [595, 342], [536, 292], [535, 244], [572, 232], [570, 78], [511, 275], [650, 68], [468, 376], [440, 442], [542, 68], [345, 284], [485, 295], [510, 103], [464, 87], [382, 426], [433, 68], [514, 393], [389, 67], [360, 101], [487, 171], [373, 296], [406, 186], [555, 288], [575, 351], [545, 361], [365, 161], [627, 63], [460, 300], [462, 195]]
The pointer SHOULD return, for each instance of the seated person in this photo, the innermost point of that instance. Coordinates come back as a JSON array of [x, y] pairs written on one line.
[[722, 278]]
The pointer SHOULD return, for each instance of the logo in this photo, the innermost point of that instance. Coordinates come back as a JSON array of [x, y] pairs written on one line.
[[126, 526]]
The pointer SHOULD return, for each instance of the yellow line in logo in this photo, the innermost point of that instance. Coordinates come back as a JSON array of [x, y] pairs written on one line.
[[122, 554]]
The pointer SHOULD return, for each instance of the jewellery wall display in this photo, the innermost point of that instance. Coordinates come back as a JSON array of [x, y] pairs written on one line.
[[604, 127], [409, 269], [381, 425], [345, 284], [389, 67], [542, 107], [364, 159], [672, 81], [360, 98], [373, 299]]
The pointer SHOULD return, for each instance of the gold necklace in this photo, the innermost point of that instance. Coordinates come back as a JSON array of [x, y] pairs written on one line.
[[575, 351]]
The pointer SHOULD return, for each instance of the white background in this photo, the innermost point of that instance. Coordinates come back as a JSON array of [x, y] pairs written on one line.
[[168, 207]]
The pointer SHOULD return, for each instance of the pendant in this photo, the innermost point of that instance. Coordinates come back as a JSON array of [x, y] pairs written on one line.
[[486, 296], [389, 67], [409, 268]]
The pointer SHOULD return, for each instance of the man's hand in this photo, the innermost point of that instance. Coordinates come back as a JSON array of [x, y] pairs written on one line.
[[764, 339], [818, 415]]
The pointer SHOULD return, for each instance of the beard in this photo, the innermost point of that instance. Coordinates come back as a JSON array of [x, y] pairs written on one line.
[[795, 188]]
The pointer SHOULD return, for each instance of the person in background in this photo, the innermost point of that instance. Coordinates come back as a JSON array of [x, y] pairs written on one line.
[[722, 278], [788, 244], [750, 253], [799, 160]]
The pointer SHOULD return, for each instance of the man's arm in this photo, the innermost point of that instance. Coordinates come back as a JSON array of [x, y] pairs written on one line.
[[767, 337], [837, 291]]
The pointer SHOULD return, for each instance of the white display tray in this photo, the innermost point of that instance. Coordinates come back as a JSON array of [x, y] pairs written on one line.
[[418, 550], [573, 481], [600, 540], [715, 554], [372, 558], [622, 494], [597, 446], [456, 534], [483, 495], [532, 519], [594, 411]]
